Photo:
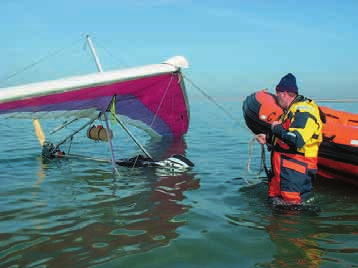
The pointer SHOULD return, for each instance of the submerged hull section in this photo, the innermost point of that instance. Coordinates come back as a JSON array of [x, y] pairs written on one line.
[[153, 95], [338, 153]]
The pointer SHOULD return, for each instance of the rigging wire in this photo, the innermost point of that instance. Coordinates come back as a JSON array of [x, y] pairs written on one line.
[[109, 52], [251, 142], [161, 101], [156, 114], [211, 99], [36, 62]]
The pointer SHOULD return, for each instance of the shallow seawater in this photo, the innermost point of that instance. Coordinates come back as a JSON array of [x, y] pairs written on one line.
[[76, 213]]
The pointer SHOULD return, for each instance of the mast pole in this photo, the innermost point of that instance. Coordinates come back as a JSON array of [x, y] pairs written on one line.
[[100, 69], [94, 54], [110, 143]]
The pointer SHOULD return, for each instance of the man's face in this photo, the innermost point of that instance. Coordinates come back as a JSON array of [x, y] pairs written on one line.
[[281, 98]]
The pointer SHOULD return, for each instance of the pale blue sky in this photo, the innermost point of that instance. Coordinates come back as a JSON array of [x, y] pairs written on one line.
[[233, 47]]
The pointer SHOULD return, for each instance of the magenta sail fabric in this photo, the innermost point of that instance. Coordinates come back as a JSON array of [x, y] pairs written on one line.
[[158, 101]]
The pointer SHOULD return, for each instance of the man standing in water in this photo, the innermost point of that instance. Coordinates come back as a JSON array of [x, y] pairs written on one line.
[[294, 141]]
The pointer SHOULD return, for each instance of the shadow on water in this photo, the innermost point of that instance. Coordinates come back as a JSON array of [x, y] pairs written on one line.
[[74, 214], [303, 238]]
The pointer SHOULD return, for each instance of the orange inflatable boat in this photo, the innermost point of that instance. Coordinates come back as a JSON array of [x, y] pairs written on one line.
[[338, 152]]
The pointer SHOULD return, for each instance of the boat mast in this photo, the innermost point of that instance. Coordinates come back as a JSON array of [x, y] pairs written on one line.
[[100, 69], [94, 54]]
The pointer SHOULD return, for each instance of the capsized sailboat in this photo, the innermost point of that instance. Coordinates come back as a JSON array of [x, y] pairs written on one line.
[[153, 96]]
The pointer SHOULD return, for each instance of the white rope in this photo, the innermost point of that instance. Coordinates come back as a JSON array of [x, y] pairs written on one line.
[[248, 164]]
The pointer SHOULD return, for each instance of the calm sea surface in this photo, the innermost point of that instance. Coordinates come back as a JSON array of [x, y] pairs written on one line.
[[74, 213]]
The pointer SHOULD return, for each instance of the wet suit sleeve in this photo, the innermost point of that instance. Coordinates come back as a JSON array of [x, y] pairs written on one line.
[[292, 138], [300, 131]]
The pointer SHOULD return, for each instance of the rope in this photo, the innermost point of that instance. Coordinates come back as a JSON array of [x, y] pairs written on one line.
[[252, 141], [36, 62], [251, 150], [211, 99], [268, 172]]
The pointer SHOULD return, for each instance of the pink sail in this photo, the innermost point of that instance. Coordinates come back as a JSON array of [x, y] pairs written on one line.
[[153, 94]]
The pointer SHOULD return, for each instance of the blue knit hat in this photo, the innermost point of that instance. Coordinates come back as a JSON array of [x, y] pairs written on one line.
[[287, 83]]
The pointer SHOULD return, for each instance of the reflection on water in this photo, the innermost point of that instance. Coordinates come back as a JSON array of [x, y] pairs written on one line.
[[72, 212], [304, 239], [74, 215]]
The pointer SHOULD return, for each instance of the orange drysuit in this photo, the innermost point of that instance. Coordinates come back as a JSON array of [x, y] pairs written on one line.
[[295, 144]]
